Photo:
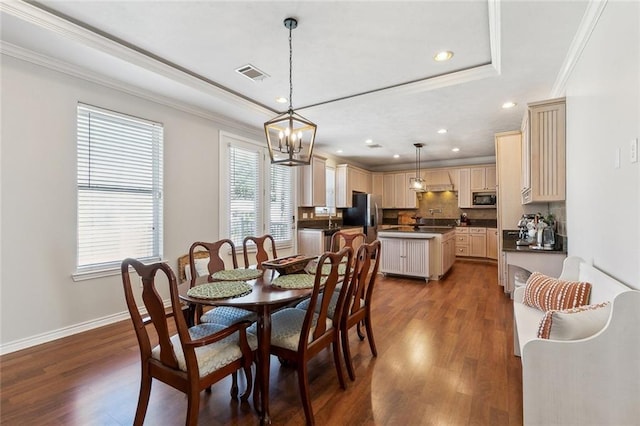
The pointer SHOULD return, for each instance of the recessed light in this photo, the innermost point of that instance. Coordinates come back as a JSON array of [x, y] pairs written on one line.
[[339, 151], [281, 100], [368, 141], [445, 55], [442, 131], [455, 149], [396, 155], [509, 104]]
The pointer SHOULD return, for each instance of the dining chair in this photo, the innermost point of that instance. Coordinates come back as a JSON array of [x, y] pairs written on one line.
[[261, 250], [195, 357], [357, 309], [343, 239], [298, 335], [224, 315]]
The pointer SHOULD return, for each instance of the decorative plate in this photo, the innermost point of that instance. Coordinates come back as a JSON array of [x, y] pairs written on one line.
[[294, 281], [237, 274], [220, 290]]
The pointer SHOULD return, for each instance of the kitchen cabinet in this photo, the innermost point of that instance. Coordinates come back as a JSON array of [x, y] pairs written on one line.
[[311, 242], [405, 256], [478, 242], [313, 191], [447, 253], [483, 178], [396, 193], [464, 188], [331, 189], [492, 243], [377, 185], [462, 241], [544, 152], [349, 179]]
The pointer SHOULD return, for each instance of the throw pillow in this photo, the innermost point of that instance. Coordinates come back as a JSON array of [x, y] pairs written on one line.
[[546, 293], [575, 323]]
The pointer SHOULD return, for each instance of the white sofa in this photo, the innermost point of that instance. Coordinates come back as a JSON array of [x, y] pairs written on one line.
[[590, 381]]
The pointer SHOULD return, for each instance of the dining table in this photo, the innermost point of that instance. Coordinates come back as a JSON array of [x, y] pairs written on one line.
[[263, 299]]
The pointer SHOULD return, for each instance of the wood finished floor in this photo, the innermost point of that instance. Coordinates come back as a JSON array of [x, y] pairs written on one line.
[[445, 357]]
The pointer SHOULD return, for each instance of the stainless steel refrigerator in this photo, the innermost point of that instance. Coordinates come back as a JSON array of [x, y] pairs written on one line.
[[366, 212]]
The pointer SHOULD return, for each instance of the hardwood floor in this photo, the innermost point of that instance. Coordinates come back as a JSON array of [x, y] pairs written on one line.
[[445, 357]]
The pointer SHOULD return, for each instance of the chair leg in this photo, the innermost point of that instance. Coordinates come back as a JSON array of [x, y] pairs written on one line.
[[234, 385], [256, 394], [303, 381], [346, 351], [360, 333], [247, 373], [143, 397], [337, 361], [372, 342], [193, 405]]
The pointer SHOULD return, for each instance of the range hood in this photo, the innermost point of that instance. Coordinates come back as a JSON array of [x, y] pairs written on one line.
[[437, 181]]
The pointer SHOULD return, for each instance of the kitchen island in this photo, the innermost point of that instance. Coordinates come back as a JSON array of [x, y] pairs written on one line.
[[424, 251]]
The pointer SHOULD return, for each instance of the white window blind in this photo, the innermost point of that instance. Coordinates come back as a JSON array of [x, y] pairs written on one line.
[[119, 188], [260, 195]]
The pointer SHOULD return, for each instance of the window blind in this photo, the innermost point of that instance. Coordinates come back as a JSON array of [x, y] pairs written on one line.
[[119, 188], [281, 203], [244, 194]]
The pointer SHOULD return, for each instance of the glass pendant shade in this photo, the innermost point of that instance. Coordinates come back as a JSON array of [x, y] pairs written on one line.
[[417, 183], [290, 138]]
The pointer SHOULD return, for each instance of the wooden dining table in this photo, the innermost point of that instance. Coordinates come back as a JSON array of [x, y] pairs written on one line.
[[263, 300]]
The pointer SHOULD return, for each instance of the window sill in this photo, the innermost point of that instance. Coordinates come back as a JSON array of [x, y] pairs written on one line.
[[91, 274]]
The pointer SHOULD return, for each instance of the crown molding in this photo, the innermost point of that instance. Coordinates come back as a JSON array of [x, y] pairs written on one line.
[[53, 64], [579, 42]]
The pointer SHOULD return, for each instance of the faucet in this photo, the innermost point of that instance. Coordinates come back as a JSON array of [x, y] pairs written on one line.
[[329, 219]]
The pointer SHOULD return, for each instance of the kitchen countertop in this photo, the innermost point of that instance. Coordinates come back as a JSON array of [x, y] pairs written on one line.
[[509, 238], [325, 228], [420, 230]]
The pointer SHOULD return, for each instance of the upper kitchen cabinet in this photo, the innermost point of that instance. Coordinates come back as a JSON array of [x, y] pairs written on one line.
[[508, 154], [377, 184], [349, 179], [483, 178], [396, 193], [464, 188], [543, 152], [313, 186]]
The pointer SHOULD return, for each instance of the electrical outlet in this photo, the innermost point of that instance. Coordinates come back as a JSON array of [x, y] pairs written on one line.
[[634, 150]]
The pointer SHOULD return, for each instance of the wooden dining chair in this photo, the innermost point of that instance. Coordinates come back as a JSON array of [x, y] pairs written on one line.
[[262, 255], [357, 309], [224, 315], [298, 335], [191, 360], [343, 239]]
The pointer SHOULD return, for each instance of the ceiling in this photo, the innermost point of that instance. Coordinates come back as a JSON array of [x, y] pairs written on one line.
[[361, 70]]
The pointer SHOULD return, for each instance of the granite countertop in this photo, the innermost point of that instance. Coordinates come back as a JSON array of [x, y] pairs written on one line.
[[324, 227], [509, 238], [421, 229]]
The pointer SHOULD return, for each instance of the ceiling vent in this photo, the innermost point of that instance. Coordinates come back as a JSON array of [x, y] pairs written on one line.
[[375, 145], [252, 73]]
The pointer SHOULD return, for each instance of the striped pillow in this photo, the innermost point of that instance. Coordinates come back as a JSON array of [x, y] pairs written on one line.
[[546, 293], [575, 323]]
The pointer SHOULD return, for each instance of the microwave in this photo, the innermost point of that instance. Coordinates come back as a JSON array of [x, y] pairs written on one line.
[[487, 199]]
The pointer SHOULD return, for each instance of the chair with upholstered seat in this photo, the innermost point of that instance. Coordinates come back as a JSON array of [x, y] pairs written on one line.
[[224, 315], [298, 335], [261, 250], [357, 309], [191, 360]]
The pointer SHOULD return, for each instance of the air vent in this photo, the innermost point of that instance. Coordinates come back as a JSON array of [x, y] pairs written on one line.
[[252, 73], [375, 145]]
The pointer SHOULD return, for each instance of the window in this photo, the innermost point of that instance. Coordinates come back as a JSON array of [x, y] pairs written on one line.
[[259, 195], [119, 189]]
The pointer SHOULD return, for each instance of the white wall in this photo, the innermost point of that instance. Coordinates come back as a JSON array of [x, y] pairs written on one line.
[[603, 115], [38, 190]]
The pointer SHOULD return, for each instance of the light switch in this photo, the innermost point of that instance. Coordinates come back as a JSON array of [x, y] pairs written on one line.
[[634, 150]]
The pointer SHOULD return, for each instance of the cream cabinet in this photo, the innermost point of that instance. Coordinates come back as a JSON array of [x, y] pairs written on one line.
[[311, 242], [396, 193], [464, 188], [349, 179], [447, 252], [492, 243], [377, 184], [313, 191], [544, 152], [478, 242], [462, 241], [483, 178], [405, 256]]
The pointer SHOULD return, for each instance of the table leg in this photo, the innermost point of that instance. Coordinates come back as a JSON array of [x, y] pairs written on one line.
[[263, 367]]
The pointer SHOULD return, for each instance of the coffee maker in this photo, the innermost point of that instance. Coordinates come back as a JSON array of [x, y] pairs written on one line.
[[524, 226]]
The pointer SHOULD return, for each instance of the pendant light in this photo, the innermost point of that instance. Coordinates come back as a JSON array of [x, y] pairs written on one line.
[[290, 136], [417, 183]]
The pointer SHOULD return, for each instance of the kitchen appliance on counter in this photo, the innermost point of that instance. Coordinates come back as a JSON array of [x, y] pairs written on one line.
[[366, 212], [524, 225]]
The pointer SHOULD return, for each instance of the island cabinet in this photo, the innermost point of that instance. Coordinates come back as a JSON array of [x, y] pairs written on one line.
[[349, 179], [544, 152], [405, 256], [313, 190], [447, 253]]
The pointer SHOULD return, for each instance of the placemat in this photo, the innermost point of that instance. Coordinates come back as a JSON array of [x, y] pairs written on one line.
[[294, 281], [220, 290], [237, 274], [326, 269]]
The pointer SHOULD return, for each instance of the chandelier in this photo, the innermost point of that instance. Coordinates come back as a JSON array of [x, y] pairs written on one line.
[[290, 136], [417, 183]]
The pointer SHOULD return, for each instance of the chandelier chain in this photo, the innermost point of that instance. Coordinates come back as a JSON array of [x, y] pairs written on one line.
[[290, 71]]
